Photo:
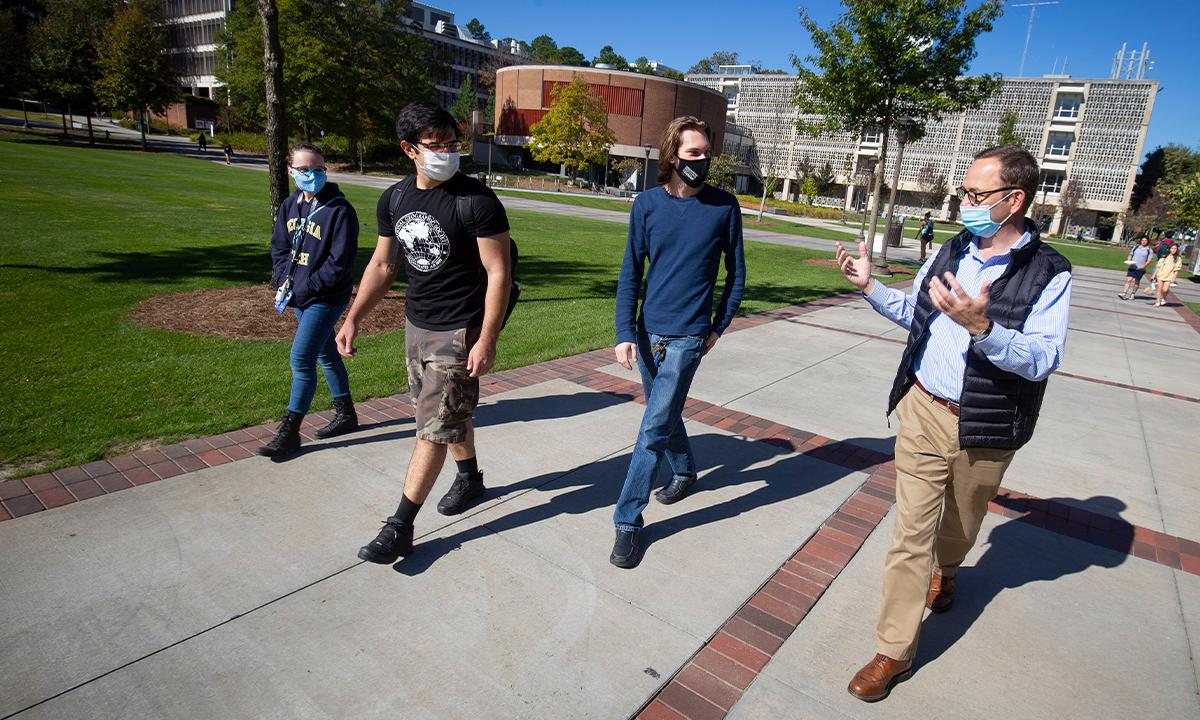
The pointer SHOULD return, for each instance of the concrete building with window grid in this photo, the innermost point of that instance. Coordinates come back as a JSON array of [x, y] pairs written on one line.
[[190, 28], [1089, 132]]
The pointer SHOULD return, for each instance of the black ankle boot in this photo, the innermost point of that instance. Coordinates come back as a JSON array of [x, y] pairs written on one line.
[[344, 420], [287, 438]]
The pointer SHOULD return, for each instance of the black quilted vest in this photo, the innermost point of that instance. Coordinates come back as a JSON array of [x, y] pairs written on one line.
[[998, 409]]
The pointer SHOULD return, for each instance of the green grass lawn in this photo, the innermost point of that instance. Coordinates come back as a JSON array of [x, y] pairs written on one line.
[[589, 201], [92, 231]]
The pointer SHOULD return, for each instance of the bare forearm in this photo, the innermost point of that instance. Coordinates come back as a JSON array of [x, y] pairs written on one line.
[[375, 283], [494, 304]]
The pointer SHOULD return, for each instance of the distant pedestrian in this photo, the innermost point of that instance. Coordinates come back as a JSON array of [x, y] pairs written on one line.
[[1139, 258], [1166, 272], [925, 234], [1161, 249], [228, 154], [203, 142]]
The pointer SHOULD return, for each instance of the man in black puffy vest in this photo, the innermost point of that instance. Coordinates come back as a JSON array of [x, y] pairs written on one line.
[[987, 322]]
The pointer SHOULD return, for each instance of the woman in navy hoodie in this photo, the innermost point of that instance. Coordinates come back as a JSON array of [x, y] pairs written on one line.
[[313, 250]]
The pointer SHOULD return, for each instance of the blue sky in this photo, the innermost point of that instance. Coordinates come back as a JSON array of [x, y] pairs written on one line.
[[1086, 33]]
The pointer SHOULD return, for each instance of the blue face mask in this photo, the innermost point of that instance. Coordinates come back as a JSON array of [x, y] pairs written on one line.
[[310, 181], [978, 218]]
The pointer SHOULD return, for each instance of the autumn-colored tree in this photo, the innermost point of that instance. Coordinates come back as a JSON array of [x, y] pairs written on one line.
[[574, 132]]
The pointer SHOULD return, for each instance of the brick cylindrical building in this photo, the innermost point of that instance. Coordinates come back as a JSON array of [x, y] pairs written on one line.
[[639, 106]]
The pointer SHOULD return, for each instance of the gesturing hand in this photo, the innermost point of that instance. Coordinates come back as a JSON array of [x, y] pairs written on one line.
[[856, 269], [956, 304]]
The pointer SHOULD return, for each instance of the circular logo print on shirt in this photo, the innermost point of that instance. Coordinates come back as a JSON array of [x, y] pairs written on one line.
[[426, 245]]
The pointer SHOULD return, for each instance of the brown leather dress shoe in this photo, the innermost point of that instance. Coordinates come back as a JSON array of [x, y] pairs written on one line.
[[941, 593], [874, 680]]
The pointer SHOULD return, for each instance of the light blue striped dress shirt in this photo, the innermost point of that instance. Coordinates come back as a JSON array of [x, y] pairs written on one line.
[[1033, 353]]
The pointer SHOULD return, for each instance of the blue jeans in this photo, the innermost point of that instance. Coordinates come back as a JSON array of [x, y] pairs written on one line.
[[314, 342], [662, 434]]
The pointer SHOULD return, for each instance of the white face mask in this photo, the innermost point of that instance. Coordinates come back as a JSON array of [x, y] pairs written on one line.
[[439, 166]]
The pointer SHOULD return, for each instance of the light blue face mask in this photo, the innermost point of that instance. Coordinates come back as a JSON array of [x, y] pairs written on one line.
[[310, 181], [978, 218]]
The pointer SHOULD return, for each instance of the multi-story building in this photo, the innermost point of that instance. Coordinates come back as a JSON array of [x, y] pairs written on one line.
[[466, 55], [1086, 132], [190, 38], [191, 27]]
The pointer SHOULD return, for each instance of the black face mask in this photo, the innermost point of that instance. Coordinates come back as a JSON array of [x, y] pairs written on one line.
[[693, 172]]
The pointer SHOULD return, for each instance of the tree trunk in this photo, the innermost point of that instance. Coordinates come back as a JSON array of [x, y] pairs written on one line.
[[25, 112], [763, 204], [91, 135], [875, 192], [144, 122], [276, 112], [882, 265], [64, 123]]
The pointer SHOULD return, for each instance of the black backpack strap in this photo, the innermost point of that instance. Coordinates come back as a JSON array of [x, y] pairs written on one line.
[[466, 212], [398, 191]]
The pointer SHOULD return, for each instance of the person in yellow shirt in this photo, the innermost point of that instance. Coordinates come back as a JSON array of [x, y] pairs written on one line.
[[1166, 272]]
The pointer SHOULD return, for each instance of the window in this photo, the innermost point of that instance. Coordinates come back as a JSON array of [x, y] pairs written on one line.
[[1066, 107], [1059, 144], [1051, 182]]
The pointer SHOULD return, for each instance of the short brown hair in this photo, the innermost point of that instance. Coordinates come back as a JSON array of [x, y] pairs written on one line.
[[304, 147], [1018, 169], [670, 143]]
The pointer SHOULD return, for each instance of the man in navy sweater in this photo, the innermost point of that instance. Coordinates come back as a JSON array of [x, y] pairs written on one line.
[[683, 227]]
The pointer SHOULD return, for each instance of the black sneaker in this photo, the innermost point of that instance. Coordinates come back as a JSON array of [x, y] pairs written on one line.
[[466, 487], [392, 542], [627, 551], [675, 490]]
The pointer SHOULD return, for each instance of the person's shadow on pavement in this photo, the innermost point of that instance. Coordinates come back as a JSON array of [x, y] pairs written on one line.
[[723, 461], [1019, 554]]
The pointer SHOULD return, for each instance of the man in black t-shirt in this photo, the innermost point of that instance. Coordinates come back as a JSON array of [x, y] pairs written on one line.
[[458, 285]]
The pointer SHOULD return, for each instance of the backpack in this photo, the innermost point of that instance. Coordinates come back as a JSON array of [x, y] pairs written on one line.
[[465, 209]]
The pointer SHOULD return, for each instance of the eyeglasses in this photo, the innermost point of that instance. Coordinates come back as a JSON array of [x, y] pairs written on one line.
[[439, 147], [977, 196], [302, 169]]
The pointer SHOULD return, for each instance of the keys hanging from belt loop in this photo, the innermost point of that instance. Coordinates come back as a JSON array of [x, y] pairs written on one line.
[[659, 351]]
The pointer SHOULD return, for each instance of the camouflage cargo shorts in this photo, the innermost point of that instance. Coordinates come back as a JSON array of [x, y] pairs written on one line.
[[444, 394]]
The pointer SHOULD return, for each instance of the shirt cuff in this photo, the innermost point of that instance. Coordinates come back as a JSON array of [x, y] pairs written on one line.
[[998, 338], [879, 294]]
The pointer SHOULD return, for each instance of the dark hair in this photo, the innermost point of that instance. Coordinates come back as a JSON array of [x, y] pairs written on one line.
[[670, 143], [1017, 169], [927, 215], [416, 118], [303, 147]]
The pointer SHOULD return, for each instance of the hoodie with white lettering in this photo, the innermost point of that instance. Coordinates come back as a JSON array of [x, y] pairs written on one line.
[[324, 268]]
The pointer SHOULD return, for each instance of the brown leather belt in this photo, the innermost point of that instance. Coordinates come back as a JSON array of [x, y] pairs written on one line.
[[951, 406]]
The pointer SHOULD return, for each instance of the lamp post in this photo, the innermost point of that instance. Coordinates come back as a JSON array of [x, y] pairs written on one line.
[[904, 128], [646, 166]]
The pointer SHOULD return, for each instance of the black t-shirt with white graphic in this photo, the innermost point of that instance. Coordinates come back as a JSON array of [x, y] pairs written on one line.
[[446, 279]]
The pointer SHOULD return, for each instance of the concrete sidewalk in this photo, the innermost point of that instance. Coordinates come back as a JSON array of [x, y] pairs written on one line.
[[230, 589]]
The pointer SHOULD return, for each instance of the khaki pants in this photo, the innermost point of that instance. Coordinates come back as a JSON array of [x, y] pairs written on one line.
[[942, 493]]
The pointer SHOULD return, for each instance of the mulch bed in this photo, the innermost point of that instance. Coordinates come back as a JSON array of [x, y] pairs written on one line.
[[246, 313]]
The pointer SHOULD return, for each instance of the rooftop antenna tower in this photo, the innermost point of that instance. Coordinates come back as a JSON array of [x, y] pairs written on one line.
[[1131, 64], [1033, 6]]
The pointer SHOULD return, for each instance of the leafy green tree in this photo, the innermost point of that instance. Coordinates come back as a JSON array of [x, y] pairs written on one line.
[[352, 67], [642, 65], [1185, 200], [1162, 167], [1006, 134], [712, 63], [672, 74], [478, 31], [608, 56], [568, 55], [890, 64], [722, 169], [574, 131], [808, 189], [543, 49], [239, 68], [135, 72], [63, 51], [16, 74], [464, 105], [825, 177]]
